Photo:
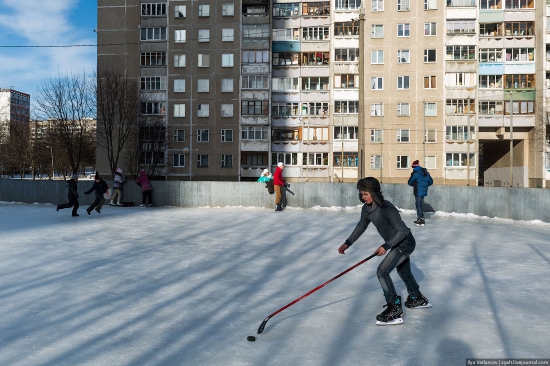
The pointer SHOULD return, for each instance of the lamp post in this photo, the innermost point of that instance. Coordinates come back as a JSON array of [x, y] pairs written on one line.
[[51, 153], [511, 140]]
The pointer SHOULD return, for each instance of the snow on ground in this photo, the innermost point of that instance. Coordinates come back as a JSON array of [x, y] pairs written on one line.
[[179, 286]]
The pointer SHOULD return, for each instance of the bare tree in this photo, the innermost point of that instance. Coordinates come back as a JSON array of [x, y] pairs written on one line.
[[152, 145], [69, 103], [118, 104]]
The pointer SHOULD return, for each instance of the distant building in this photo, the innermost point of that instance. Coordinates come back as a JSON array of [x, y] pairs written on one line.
[[14, 108]]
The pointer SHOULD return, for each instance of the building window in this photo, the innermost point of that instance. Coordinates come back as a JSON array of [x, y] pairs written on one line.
[[227, 110], [344, 5], [228, 9], [430, 109], [346, 107], [315, 83], [179, 160], [403, 30], [461, 26], [430, 4], [403, 161], [376, 109], [285, 134], [179, 135], [465, 3], [228, 34], [254, 133], [315, 133], [460, 106], [346, 80], [315, 108], [153, 108], [180, 35], [459, 133], [256, 31], [429, 136], [153, 59], [491, 107], [153, 83], [315, 159], [180, 11], [527, 107], [204, 35], [346, 28], [375, 135], [255, 107], [460, 159], [227, 85], [153, 34], [430, 82], [377, 5], [377, 57], [204, 10], [285, 158], [179, 60], [203, 110], [285, 109], [227, 60], [461, 53], [403, 109], [547, 160], [254, 56], [460, 79], [403, 135], [346, 159], [403, 56], [315, 33], [255, 159], [376, 162], [286, 10], [279, 84], [430, 56], [203, 85], [227, 135], [377, 83], [227, 161], [179, 110], [345, 133], [377, 31], [203, 136], [430, 162], [403, 5], [403, 82], [430, 29], [202, 161], [153, 9], [346, 54], [204, 60], [179, 85], [490, 55], [490, 81]]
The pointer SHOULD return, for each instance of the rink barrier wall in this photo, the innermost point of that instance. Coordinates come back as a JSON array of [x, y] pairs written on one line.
[[511, 203]]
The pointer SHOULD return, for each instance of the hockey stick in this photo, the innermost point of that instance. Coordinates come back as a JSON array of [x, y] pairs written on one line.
[[262, 326]]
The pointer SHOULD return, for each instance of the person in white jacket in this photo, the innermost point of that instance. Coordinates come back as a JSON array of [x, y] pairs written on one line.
[[119, 179]]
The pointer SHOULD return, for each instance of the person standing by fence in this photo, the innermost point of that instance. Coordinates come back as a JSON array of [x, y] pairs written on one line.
[[279, 183], [118, 179], [146, 189]]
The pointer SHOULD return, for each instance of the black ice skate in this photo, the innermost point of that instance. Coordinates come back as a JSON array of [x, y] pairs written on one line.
[[417, 302], [420, 222], [393, 314]]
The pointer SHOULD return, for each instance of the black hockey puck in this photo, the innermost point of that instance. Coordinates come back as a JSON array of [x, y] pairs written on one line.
[[251, 338]]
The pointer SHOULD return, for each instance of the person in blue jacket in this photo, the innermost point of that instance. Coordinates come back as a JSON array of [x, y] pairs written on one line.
[[420, 180]]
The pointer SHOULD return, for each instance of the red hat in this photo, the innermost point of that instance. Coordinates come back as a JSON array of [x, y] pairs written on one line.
[[416, 163]]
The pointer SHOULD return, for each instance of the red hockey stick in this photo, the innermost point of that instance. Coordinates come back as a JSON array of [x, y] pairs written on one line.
[[262, 326]]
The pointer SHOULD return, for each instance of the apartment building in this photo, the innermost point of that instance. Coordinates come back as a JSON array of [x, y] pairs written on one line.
[[337, 91], [14, 108]]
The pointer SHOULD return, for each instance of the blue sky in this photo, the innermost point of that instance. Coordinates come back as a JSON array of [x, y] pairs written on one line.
[[45, 23]]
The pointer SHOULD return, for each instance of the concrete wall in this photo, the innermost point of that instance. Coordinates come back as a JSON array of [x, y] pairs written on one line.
[[513, 203]]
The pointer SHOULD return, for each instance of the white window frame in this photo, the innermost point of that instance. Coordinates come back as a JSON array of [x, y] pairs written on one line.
[[179, 110], [377, 83], [430, 29], [427, 55], [226, 110], [228, 34], [459, 159], [403, 56], [227, 85], [403, 30], [203, 110], [430, 162], [403, 5], [430, 136], [203, 135], [403, 161], [403, 135], [403, 82], [376, 162], [376, 136], [177, 134], [180, 11], [430, 4], [178, 161], [228, 9], [180, 61], [377, 31], [180, 36], [204, 10], [430, 78], [377, 57], [203, 60], [430, 109], [203, 85], [377, 5], [227, 60], [377, 109], [226, 161], [179, 85], [403, 109], [226, 135], [203, 35], [202, 161]]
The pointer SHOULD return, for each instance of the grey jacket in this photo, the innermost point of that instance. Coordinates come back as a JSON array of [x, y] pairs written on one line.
[[387, 221]]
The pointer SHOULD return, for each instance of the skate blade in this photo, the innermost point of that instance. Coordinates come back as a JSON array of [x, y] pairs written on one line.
[[428, 305], [420, 224], [393, 322]]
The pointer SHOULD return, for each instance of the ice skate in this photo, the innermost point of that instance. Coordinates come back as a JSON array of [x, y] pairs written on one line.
[[420, 222], [417, 302], [393, 314]]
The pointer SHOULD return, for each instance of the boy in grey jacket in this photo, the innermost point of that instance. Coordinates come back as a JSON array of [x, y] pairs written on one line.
[[400, 243]]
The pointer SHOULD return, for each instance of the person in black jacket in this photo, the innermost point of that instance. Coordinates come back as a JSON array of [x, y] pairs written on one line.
[[100, 187], [72, 195], [398, 245]]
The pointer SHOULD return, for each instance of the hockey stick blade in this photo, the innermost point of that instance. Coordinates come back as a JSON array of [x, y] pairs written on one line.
[[262, 326]]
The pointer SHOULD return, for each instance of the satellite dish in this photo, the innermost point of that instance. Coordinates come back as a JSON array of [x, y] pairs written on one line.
[[185, 150]]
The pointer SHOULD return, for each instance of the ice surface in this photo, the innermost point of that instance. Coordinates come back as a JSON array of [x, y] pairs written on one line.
[[177, 286]]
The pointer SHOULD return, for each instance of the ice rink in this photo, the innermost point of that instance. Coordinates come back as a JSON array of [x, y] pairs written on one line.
[[177, 286]]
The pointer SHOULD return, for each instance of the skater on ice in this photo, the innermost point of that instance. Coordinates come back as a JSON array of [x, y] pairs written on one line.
[[119, 180], [399, 244], [100, 187], [420, 180], [72, 195]]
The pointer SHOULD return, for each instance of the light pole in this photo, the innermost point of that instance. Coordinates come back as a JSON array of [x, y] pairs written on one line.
[[51, 153], [511, 140]]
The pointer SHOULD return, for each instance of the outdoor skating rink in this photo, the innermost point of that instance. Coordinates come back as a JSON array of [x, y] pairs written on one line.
[[178, 286]]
